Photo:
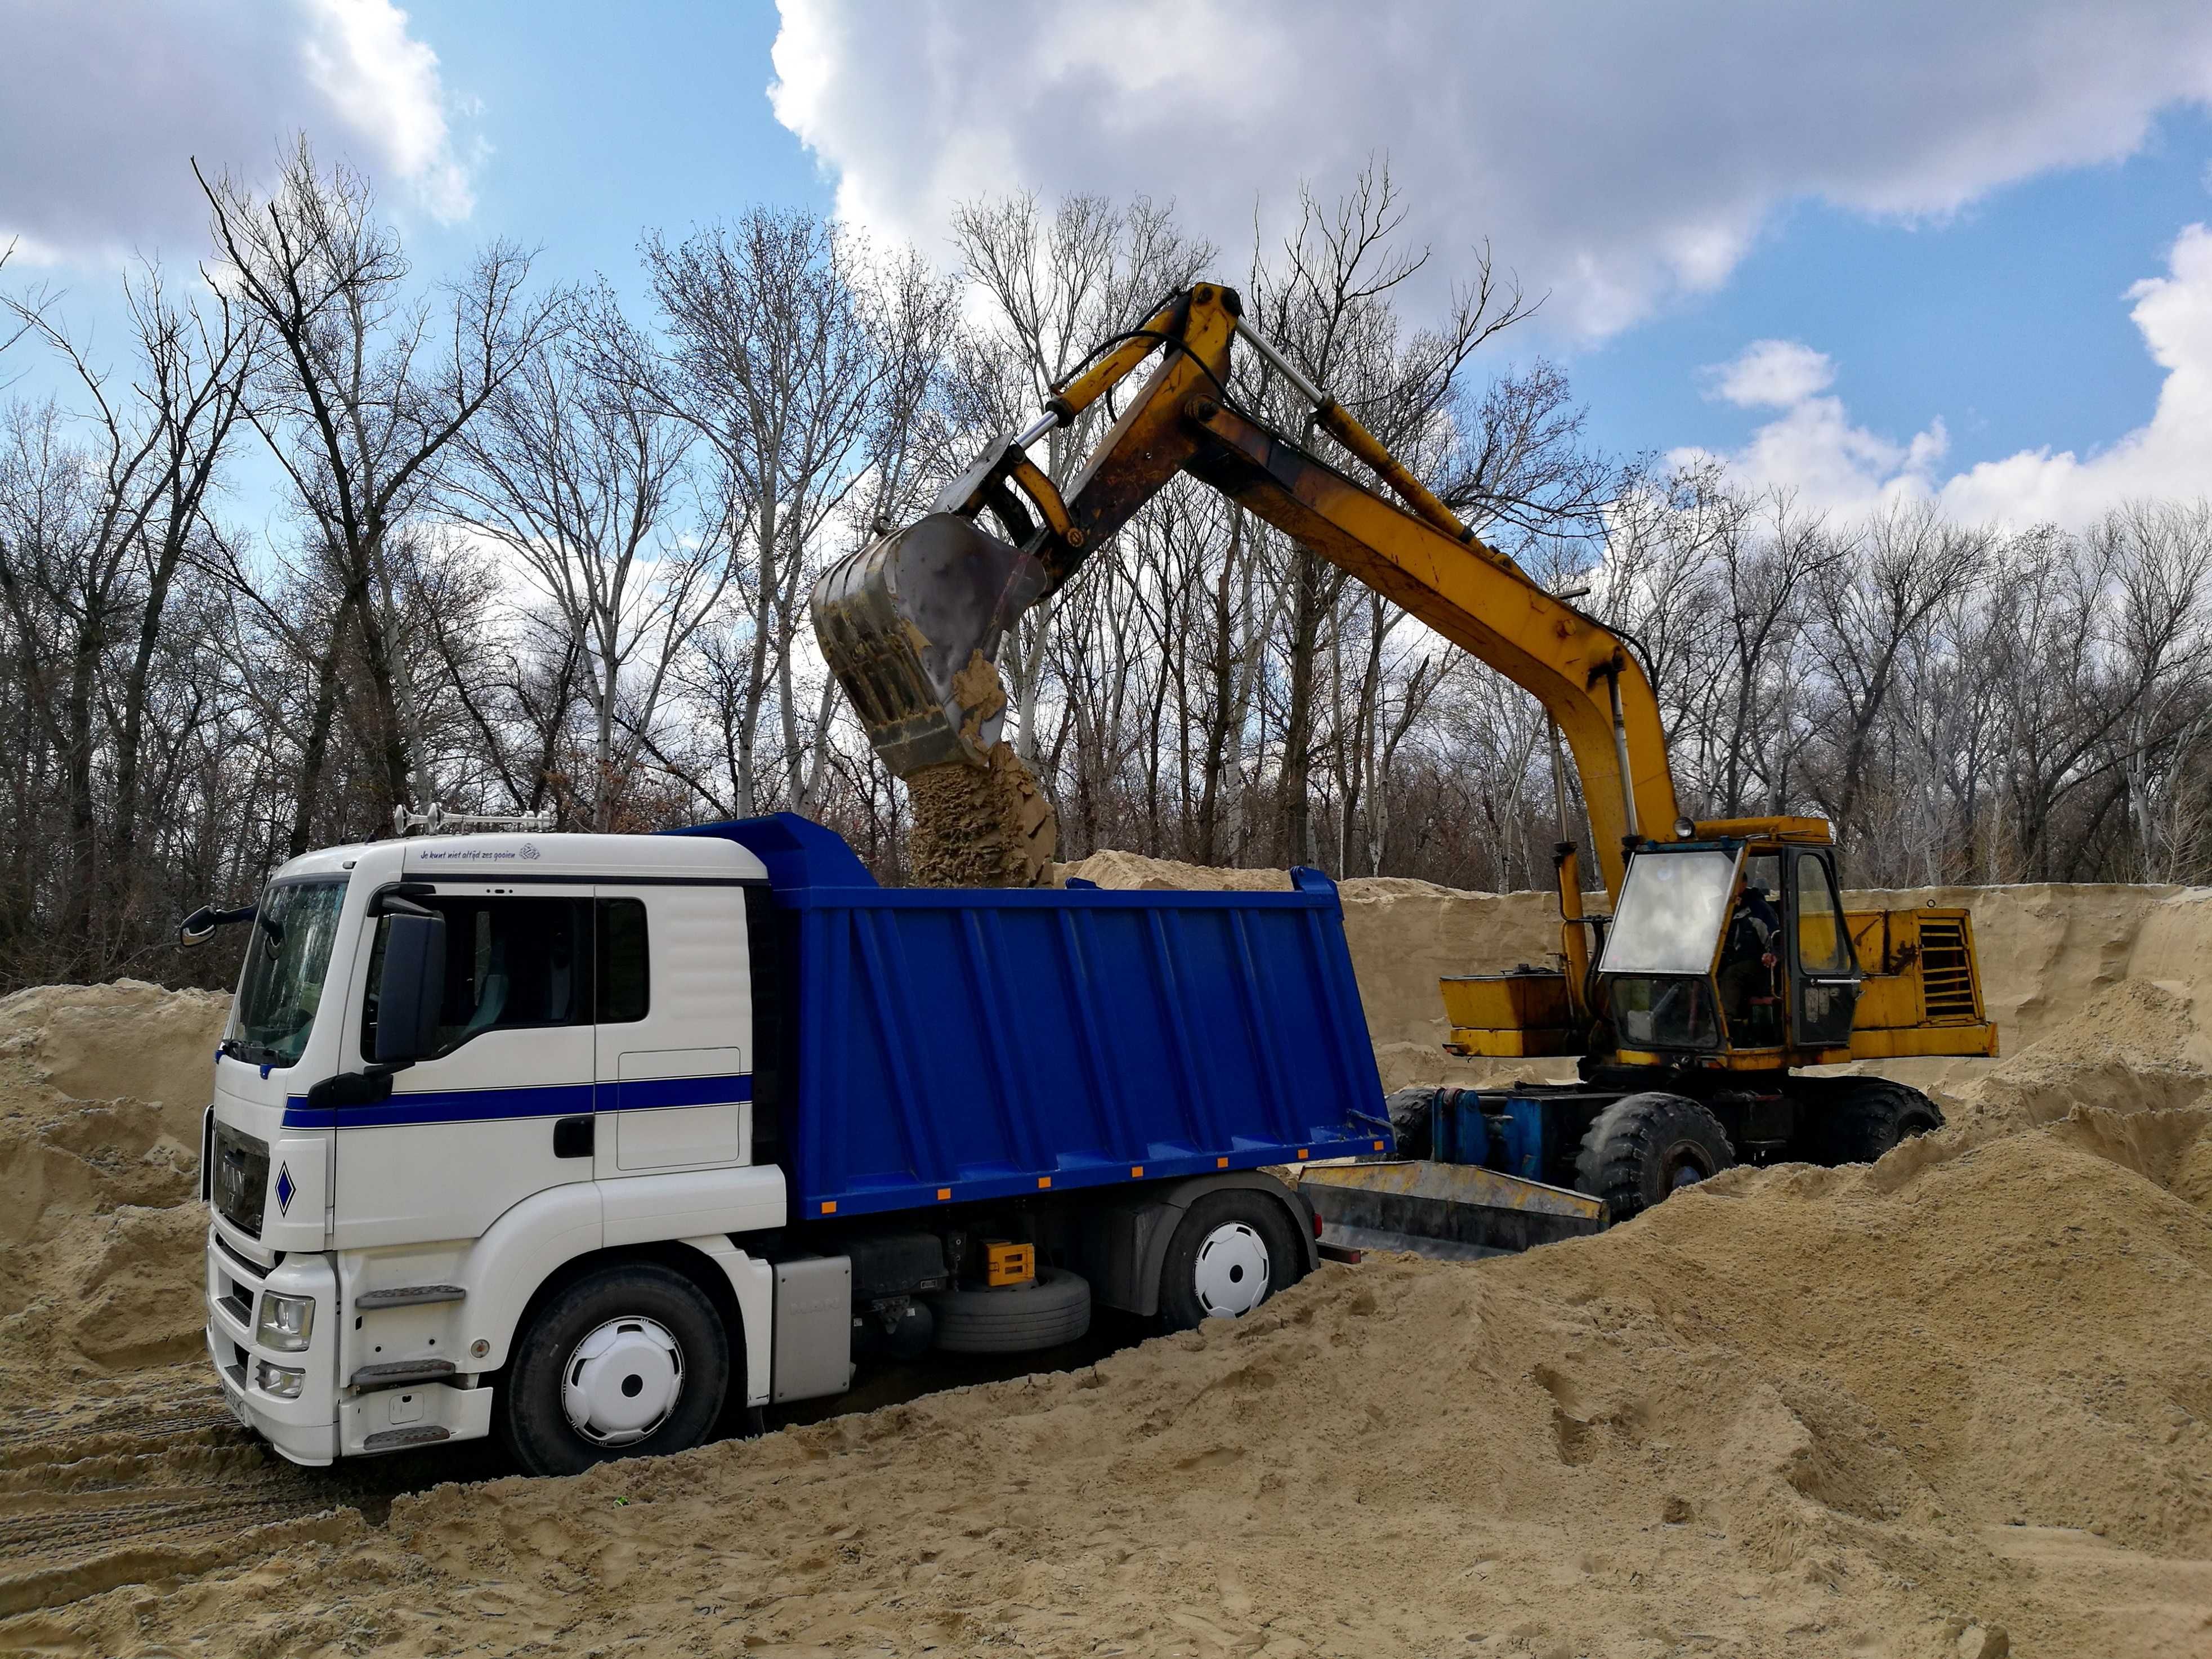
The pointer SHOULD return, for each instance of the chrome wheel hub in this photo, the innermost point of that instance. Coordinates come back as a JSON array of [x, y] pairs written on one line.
[[621, 1382], [1232, 1270]]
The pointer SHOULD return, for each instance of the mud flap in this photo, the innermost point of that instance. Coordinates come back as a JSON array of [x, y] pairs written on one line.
[[1452, 1211]]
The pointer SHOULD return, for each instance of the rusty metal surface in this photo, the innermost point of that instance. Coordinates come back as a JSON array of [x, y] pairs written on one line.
[[1457, 1211]]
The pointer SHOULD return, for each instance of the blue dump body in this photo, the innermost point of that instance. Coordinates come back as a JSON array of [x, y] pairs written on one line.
[[952, 1044]]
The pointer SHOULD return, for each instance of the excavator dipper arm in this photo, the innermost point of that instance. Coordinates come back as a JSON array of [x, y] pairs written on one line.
[[900, 665]]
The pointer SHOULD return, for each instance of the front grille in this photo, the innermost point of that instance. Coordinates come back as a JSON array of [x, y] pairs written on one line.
[[258, 1269], [1947, 972], [241, 1178]]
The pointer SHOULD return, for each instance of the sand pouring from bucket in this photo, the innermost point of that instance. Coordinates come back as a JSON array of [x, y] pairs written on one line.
[[905, 624]]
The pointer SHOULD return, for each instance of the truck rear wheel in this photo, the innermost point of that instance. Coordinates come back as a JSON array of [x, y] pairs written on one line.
[[630, 1361], [1231, 1251], [1013, 1318], [1644, 1146], [1864, 1116]]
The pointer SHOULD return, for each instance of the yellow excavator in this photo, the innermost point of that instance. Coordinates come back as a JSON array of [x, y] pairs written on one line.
[[1727, 964]]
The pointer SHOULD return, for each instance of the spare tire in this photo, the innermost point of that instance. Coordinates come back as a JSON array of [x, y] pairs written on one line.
[[1053, 1308], [1644, 1146]]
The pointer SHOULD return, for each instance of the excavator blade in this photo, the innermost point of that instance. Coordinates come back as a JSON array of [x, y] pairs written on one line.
[[1455, 1211], [911, 625]]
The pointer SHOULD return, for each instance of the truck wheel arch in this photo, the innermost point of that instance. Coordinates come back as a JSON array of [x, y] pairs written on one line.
[[1182, 1194], [554, 1236]]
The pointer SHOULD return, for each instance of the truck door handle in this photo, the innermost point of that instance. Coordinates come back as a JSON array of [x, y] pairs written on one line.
[[572, 1137]]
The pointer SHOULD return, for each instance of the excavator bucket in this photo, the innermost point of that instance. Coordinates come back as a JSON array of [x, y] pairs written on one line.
[[911, 625], [1454, 1212]]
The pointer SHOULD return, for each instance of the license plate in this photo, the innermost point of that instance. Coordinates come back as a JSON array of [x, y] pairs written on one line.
[[236, 1401]]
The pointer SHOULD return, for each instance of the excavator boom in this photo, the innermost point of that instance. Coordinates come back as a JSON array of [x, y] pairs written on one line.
[[903, 619]]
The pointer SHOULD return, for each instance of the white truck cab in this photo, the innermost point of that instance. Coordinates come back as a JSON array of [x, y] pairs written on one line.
[[376, 1233]]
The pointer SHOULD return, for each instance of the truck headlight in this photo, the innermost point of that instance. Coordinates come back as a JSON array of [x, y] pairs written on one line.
[[286, 1321], [280, 1382]]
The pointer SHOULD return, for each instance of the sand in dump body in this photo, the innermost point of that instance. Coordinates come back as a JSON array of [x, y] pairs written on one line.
[[981, 826], [1895, 1410]]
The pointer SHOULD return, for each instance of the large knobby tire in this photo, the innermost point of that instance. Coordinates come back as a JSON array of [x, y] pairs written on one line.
[[1230, 1252], [1644, 1146], [629, 1361], [1862, 1117], [1411, 1119], [1055, 1308]]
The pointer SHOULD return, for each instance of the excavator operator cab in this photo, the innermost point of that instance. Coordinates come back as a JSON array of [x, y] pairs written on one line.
[[1725, 947]]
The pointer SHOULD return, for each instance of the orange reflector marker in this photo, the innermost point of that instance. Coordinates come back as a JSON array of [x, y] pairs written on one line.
[[1220, 1163], [1136, 1170], [1044, 1181], [944, 1193], [1378, 1145], [1301, 1152], [829, 1206]]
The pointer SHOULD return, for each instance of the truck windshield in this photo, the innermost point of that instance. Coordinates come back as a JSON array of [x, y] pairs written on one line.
[[1668, 920], [285, 964]]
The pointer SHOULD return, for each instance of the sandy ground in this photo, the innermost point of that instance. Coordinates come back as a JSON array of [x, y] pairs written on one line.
[[1954, 1403]]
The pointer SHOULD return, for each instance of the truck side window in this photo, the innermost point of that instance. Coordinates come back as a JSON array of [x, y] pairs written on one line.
[[624, 982], [509, 963]]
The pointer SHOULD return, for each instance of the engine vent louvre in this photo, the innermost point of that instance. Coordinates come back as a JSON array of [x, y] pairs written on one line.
[[1947, 974]]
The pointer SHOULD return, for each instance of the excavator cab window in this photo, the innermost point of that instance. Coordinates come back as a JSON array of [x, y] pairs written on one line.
[[1827, 977], [1659, 953]]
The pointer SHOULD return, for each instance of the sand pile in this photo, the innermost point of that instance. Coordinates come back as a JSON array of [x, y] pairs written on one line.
[[101, 1089], [1794, 1411], [1892, 1410]]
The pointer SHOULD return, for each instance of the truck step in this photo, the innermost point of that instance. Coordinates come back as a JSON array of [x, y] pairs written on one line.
[[399, 1372], [411, 1296], [423, 1434]]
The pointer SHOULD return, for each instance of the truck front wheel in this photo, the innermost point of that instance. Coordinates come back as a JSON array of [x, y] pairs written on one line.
[[629, 1361], [1231, 1251]]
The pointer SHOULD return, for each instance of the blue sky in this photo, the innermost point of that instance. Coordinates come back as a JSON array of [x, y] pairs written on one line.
[[1938, 227]]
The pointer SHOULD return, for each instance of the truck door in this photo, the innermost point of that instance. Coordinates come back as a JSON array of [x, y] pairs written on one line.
[[1827, 979], [674, 1035], [469, 1132]]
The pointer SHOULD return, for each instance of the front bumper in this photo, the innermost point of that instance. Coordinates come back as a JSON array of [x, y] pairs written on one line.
[[304, 1430]]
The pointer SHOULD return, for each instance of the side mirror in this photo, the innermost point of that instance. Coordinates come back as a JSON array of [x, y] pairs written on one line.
[[411, 989], [198, 927]]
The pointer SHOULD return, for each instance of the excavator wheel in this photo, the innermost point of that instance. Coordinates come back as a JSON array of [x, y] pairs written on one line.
[[1644, 1146], [1411, 1121], [1865, 1116]]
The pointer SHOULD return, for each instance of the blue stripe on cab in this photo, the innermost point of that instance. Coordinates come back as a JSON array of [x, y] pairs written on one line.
[[490, 1105]]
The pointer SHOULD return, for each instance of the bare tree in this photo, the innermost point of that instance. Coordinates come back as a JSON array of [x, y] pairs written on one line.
[[366, 383], [797, 372], [92, 534], [579, 476]]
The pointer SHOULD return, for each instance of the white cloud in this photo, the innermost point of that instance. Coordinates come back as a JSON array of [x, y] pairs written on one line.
[[103, 107], [1772, 375], [1811, 445], [1616, 153]]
